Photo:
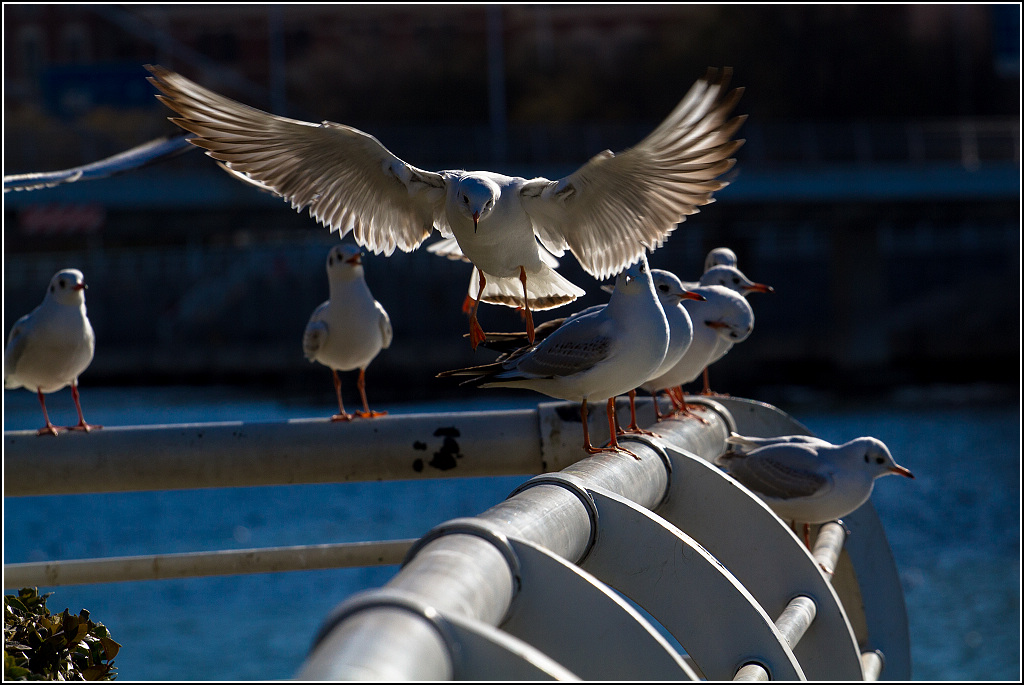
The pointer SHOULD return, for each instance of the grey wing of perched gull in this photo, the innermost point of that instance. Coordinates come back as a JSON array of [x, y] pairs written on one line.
[[15, 346], [745, 444], [135, 158], [794, 476], [315, 335]]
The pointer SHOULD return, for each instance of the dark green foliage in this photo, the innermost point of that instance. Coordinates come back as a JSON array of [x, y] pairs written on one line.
[[39, 645]]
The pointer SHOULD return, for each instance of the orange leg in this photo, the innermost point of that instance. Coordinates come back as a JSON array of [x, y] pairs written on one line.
[[82, 425], [476, 334], [342, 415], [613, 445], [366, 413], [49, 427], [707, 387], [632, 427], [679, 399], [526, 305]]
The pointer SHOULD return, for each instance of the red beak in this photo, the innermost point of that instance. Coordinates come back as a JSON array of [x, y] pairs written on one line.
[[476, 220], [79, 286], [355, 260], [902, 471], [690, 295], [760, 288]]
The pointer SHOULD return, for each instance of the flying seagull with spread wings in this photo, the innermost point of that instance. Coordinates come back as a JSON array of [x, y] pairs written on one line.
[[607, 213]]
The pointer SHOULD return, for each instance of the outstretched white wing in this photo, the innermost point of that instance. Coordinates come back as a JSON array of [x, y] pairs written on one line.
[[347, 179], [615, 206]]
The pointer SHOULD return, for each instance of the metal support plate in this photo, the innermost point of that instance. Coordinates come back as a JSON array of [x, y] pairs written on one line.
[[716, 620], [762, 552], [578, 621]]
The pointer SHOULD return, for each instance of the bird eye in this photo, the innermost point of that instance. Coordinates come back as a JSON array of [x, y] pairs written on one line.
[[62, 284], [663, 288], [879, 460], [736, 280]]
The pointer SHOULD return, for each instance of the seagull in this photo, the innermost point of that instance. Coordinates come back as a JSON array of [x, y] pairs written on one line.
[[670, 292], [350, 329], [807, 479], [723, 316], [50, 347], [597, 355], [729, 276], [608, 212]]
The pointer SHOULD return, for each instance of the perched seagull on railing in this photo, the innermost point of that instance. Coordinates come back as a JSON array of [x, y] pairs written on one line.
[[807, 479], [135, 158], [350, 329], [607, 213], [50, 347], [670, 292], [725, 317], [604, 352], [729, 276]]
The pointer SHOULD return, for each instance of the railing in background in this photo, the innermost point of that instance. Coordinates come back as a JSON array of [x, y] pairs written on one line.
[[524, 590]]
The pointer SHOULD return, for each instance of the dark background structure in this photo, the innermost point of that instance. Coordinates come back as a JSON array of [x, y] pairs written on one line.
[[878, 190]]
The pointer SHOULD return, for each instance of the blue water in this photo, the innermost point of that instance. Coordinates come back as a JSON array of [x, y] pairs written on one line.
[[954, 531]]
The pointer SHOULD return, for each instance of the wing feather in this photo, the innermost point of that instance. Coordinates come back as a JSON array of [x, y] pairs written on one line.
[[615, 206], [346, 178], [765, 471]]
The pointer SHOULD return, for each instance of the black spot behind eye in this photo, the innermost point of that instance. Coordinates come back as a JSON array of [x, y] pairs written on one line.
[[867, 459]]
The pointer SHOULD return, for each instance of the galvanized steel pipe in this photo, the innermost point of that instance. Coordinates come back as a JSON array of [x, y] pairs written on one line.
[[192, 564], [828, 546], [229, 454]]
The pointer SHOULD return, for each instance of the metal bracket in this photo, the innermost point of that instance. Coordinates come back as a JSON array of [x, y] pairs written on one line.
[[482, 530], [570, 483], [660, 451]]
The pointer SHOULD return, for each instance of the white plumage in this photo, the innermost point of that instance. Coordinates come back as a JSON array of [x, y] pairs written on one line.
[[607, 213], [603, 352], [807, 479], [350, 329], [51, 346], [724, 317]]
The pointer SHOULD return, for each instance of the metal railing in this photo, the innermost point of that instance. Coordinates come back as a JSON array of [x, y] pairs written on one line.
[[534, 587]]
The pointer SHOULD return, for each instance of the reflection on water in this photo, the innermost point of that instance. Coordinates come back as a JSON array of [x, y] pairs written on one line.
[[954, 531]]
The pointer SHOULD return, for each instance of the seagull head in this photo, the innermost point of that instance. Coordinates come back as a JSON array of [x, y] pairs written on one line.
[[67, 287], [733, 278], [876, 458], [720, 255], [344, 262], [729, 316], [635, 279], [476, 196], [670, 289]]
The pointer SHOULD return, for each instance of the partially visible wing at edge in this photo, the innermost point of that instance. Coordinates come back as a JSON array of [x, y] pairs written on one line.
[[135, 158]]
